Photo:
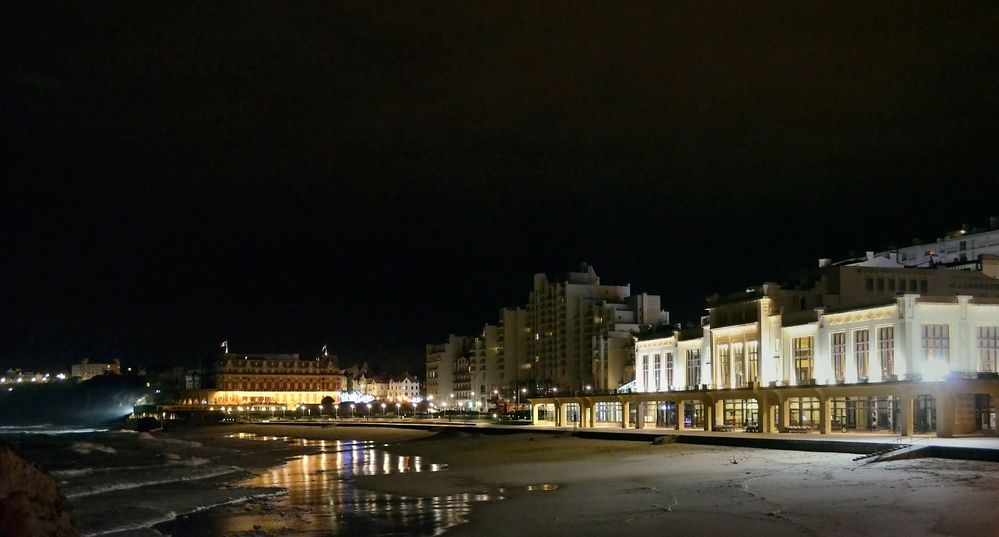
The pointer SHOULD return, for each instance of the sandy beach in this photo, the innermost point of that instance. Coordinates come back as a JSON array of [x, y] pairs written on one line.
[[542, 484]]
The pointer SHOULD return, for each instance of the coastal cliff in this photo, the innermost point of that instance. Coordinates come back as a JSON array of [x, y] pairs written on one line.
[[30, 502]]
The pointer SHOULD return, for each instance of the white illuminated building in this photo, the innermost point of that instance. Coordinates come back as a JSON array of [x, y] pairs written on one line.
[[870, 358], [956, 247], [405, 387]]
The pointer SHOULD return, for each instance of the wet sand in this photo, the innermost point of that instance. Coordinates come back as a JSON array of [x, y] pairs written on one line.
[[566, 485]]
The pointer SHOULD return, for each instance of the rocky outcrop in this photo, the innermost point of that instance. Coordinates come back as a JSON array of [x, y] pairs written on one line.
[[30, 502]]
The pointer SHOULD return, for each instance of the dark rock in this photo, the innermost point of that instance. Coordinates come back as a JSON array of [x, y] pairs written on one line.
[[30, 502]]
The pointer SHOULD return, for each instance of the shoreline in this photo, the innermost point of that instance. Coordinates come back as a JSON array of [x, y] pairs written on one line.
[[552, 483]]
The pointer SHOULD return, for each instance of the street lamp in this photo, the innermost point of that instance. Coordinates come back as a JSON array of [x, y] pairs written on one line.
[[369, 410], [352, 410], [397, 407], [383, 410]]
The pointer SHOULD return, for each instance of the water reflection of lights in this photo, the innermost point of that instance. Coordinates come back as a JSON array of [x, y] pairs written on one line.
[[319, 484]]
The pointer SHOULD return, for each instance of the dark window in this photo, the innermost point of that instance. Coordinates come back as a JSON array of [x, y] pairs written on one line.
[[881, 284], [870, 284], [922, 286], [891, 285], [901, 285]]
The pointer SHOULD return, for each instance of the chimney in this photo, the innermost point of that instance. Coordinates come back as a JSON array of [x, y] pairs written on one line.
[[825, 262]]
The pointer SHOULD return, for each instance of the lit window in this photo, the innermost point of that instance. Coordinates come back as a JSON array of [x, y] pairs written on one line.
[[886, 349], [803, 352], [988, 348], [838, 348], [861, 349], [936, 342]]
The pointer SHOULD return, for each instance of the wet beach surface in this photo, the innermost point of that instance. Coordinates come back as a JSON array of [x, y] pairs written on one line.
[[322, 498], [286, 480]]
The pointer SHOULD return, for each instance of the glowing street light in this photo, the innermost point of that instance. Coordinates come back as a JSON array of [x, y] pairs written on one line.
[[397, 407], [352, 410], [369, 410], [383, 410]]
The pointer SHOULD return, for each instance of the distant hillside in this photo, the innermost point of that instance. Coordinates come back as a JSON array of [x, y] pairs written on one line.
[[99, 400]]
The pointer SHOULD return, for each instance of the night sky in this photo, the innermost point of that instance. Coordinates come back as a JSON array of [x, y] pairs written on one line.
[[376, 175]]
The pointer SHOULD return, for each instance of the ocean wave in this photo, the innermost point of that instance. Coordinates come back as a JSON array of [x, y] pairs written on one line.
[[47, 430], [86, 447], [128, 485], [36, 426], [171, 515], [173, 458], [75, 472], [165, 440]]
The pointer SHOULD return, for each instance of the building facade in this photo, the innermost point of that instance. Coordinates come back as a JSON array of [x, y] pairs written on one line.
[[580, 330], [284, 379], [954, 248], [768, 360], [88, 370], [441, 362], [405, 387]]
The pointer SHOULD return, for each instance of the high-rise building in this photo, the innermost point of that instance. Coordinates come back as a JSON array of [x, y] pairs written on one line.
[[581, 330], [574, 334], [441, 361]]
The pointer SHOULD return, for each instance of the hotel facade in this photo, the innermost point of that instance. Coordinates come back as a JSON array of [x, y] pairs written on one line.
[[872, 346], [280, 380]]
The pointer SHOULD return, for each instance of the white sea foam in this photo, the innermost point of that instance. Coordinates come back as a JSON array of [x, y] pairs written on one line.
[[166, 440], [77, 472], [166, 517], [127, 485], [73, 472], [86, 447], [190, 461], [171, 515], [47, 430]]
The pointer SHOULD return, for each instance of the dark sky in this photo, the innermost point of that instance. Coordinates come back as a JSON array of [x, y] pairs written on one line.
[[377, 175]]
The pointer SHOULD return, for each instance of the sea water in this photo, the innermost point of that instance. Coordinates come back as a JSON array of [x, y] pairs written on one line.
[[137, 484]]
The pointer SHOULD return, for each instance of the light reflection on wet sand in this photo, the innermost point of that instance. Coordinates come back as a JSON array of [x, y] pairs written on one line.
[[322, 500]]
